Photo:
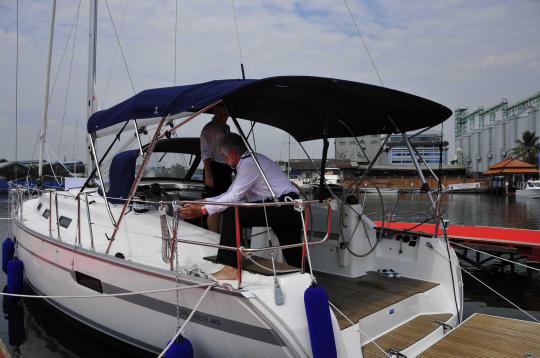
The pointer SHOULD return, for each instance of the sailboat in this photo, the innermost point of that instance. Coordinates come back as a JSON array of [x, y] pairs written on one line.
[[124, 264]]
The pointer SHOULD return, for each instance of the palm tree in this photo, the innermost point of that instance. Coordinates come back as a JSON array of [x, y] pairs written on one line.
[[527, 147]]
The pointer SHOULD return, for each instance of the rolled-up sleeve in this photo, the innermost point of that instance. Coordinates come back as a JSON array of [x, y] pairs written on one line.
[[207, 144]]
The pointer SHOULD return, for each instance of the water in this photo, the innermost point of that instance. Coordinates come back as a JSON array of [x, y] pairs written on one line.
[[50, 335]]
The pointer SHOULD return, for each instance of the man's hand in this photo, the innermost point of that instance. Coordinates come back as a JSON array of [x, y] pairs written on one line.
[[190, 211]]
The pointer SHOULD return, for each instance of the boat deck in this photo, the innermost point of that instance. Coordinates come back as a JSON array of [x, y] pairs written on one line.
[[247, 265], [489, 336], [358, 298], [405, 335]]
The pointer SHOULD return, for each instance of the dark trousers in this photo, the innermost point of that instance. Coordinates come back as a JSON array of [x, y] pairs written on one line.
[[222, 179], [284, 221]]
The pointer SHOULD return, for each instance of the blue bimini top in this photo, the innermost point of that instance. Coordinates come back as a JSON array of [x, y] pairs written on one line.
[[306, 107]]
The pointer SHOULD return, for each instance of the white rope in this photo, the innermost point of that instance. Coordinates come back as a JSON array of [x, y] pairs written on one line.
[[497, 257], [106, 295], [498, 294], [6, 218], [181, 330], [358, 327]]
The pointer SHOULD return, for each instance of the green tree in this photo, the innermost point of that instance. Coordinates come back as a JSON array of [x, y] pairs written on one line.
[[527, 147]]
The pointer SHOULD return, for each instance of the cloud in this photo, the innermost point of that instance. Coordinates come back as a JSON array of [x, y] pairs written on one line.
[[459, 53]]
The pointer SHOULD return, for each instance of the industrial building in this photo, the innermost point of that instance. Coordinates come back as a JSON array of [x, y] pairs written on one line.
[[487, 136]]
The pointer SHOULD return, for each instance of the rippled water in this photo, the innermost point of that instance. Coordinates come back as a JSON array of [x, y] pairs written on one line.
[[49, 335]]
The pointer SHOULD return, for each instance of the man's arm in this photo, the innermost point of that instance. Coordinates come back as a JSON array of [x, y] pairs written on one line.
[[206, 155], [246, 177], [208, 174]]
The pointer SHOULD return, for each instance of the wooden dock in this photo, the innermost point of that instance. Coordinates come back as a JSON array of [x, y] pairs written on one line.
[[490, 337]]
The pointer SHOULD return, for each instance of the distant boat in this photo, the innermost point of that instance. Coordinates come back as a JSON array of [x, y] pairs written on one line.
[[531, 190], [371, 189], [475, 187]]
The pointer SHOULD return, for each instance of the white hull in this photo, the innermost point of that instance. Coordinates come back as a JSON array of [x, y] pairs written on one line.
[[229, 322]]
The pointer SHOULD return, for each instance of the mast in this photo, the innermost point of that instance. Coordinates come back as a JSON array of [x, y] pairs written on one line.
[[91, 104], [43, 131]]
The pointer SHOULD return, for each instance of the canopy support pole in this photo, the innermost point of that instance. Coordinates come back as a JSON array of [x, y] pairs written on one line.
[[415, 161], [138, 137], [252, 153], [116, 138], [149, 151], [93, 149], [323, 164], [372, 163]]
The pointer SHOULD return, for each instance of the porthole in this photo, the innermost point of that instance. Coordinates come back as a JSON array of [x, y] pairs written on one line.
[[39, 206], [64, 221], [46, 214]]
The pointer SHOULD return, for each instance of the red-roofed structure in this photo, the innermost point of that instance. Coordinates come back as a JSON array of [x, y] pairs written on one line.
[[511, 166]]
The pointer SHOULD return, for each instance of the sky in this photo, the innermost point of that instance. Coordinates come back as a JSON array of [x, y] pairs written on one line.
[[460, 53]]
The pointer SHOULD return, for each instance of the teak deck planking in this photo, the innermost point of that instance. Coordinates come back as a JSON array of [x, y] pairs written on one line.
[[358, 298], [483, 336], [405, 335]]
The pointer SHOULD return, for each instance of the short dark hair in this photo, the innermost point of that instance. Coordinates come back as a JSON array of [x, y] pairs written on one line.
[[233, 141], [220, 105]]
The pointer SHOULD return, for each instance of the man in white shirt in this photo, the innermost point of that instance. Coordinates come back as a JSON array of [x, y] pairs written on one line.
[[250, 186], [217, 173]]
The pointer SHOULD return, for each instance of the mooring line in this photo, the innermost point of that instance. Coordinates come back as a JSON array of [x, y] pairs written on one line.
[[494, 256], [358, 327]]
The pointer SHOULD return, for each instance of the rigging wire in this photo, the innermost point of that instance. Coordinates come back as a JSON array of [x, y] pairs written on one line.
[[105, 95], [363, 42], [238, 40], [63, 54], [175, 41], [500, 295], [496, 257], [16, 88], [53, 86], [120, 46], [69, 76]]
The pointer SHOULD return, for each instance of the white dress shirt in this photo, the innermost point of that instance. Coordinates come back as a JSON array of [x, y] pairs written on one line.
[[211, 136], [249, 184]]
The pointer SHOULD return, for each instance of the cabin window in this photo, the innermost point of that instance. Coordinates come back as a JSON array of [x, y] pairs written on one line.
[[39, 206], [64, 221], [46, 214]]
